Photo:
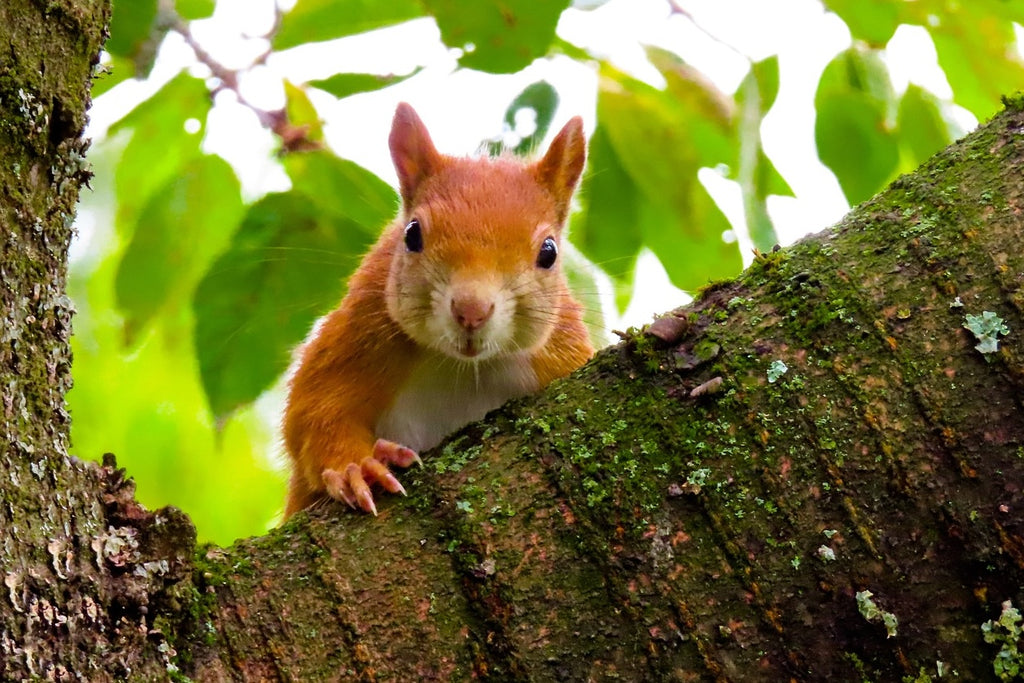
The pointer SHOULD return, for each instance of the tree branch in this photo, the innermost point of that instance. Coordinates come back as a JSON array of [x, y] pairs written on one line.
[[618, 525]]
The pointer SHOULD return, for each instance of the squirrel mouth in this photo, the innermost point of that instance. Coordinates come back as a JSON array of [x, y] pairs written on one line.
[[470, 349]]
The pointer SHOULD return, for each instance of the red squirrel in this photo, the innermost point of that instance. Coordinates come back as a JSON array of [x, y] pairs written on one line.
[[459, 306]]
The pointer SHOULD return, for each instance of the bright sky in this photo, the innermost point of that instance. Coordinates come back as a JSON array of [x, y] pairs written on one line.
[[461, 107]]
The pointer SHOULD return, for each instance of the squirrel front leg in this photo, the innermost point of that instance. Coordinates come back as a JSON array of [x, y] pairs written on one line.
[[329, 420], [352, 484], [348, 374], [344, 466]]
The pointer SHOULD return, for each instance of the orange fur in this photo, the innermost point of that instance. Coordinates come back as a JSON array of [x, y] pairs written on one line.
[[467, 322]]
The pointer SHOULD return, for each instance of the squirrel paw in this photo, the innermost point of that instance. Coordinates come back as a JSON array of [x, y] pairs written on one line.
[[352, 485]]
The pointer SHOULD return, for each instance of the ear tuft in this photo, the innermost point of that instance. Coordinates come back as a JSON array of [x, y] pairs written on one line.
[[412, 151], [560, 168]]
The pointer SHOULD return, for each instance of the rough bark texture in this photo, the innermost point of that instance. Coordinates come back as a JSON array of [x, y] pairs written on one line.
[[74, 546], [614, 527]]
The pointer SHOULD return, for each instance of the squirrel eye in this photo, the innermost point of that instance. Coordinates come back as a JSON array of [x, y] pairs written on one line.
[[413, 236], [548, 253]]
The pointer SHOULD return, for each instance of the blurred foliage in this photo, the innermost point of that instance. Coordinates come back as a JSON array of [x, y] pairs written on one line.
[[975, 41], [191, 304], [539, 99], [863, 129], [284, 267]]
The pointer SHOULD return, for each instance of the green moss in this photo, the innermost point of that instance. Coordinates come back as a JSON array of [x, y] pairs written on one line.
[[859, 666], [456, 454], [922, 677], [645, 349], [1014, 102], [765, 267], [601, 467]]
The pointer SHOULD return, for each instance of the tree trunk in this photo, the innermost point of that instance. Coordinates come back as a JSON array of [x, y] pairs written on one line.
[[856, 515], [82, 564]]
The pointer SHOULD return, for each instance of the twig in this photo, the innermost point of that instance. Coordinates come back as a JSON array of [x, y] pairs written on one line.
[[292, 137], [676, 8]]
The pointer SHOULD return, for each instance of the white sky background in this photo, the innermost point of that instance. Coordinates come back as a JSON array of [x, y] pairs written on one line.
[[461, 108]]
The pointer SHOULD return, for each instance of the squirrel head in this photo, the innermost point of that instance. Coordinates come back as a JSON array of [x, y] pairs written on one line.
[[475, 270]]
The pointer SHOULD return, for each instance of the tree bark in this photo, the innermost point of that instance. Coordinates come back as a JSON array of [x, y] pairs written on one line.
[[856, 516], [87, 573]]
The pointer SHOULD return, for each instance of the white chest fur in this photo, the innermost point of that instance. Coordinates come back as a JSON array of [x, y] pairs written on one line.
[[443, 394]]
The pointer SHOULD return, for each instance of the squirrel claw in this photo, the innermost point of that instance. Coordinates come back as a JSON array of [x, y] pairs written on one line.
[[374, 470], [338, 487], [392, 453], [352, 485], [354, 477]]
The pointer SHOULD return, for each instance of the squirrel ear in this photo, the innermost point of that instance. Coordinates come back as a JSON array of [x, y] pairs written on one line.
[[412, 151], [559, 170]]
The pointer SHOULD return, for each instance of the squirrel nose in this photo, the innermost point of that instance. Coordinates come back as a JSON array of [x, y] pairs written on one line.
[[471, 313]]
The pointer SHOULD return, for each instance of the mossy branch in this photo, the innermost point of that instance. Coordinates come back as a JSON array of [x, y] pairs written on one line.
[[707, 501]]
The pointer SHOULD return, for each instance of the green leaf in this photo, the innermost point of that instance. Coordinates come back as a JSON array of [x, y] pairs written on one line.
[[497, 37], [311, 21], [130, 24], [873, 21], [728, 132], [663, 138], [606, 231], [180, 230], [922, 129], [642, 184], [133, 33], [853, 143], [976, 60], [701, 102], [194, 9], [853, 130], [342, 188], [755, 173], [860, 71], [691, 258], [285, 266], [768, 180], [542, 99], [344, 85], [145, 164], [146, 405], [766, 75], [975, 41], [301, 112]]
